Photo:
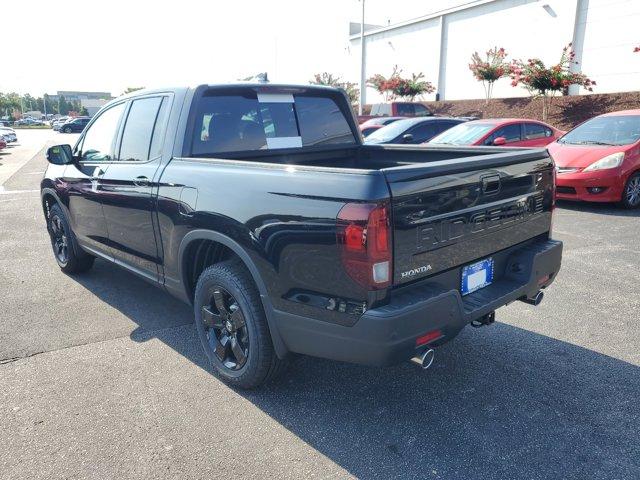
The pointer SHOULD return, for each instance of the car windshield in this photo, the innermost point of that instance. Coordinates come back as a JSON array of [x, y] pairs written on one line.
[[609, 130], [391, 131], [463, 134]]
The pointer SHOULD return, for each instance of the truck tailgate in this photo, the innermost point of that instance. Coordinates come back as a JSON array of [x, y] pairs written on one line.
[[450, 213]]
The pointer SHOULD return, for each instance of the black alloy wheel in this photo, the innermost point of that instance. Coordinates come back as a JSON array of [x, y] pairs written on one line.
[[59, 239], [70, 257], [226, 328]]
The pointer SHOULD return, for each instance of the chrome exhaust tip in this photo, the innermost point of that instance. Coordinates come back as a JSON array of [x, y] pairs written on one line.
[[425, 360], [535, 300]]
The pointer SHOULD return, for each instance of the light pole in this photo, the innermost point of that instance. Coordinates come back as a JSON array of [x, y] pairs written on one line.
[[363, 80]]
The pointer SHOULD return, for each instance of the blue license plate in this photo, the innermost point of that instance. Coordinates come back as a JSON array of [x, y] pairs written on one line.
[[476, 276]]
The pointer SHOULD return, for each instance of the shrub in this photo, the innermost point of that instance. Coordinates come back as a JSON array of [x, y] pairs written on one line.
[[395, 86], [546, 82], [326, 78], [490, 69]]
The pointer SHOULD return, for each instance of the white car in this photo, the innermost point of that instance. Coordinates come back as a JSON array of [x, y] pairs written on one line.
[[56, 124], [8, 134]]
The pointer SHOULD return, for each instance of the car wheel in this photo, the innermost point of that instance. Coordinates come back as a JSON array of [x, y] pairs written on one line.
[[66, 129], [232, 326], [70, 258], [631, 193]]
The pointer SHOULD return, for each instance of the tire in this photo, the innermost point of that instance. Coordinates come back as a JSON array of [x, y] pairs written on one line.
[[631, 193], [233, 328], [70, 257], [66, 130]]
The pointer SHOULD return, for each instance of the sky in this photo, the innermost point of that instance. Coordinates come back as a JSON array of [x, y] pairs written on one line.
[[109, 45]]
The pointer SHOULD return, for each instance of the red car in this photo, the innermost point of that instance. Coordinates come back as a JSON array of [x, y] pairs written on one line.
[[599, 160], [514, 132], [374, 124], [396, 109], [3, 144]]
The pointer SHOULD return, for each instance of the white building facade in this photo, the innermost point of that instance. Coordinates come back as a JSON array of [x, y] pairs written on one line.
[[440, 44]]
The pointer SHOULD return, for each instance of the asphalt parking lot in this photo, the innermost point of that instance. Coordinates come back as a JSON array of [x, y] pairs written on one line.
[[102, 376]]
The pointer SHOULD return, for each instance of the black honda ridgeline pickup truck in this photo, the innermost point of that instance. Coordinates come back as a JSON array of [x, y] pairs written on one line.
[[259, 205]]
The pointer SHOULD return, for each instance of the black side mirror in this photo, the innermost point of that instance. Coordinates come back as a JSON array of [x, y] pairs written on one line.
[[407, 138], [60, 155]]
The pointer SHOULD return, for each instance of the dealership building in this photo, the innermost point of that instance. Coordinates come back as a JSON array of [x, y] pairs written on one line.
[[91, 101], [440, 43]]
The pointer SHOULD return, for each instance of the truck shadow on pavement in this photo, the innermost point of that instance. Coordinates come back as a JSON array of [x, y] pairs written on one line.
[[499, 402]]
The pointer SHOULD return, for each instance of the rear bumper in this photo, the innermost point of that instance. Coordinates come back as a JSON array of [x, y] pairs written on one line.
[[387, 335], [577, 186]]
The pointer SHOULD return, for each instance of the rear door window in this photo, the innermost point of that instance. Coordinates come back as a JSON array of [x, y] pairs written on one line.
[[249, 121], [444, 126], [533, 131], [423, 132], [138, 129]]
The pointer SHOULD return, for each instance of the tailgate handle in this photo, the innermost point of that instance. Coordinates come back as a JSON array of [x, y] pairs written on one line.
[[491, 184]]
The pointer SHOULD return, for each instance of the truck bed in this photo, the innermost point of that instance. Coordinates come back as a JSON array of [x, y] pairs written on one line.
[[451, 205], [379, 157]]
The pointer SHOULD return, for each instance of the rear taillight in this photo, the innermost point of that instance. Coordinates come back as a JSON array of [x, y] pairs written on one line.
[[553, 198], [364, 237]]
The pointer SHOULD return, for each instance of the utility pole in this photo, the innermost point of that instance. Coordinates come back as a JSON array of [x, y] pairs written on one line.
[[44, 103], [363, 80]]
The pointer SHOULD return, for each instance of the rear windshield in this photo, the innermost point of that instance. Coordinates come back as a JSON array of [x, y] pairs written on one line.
[[249, 121]]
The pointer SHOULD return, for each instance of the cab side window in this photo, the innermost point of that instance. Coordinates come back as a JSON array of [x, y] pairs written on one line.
[[421, 111], [139, 130], [406, 109], [97, 143]]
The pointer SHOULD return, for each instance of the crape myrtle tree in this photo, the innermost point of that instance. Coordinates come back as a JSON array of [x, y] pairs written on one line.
[[328, 79], [546, 82], [489, 69], [396, 87], [131, 89]]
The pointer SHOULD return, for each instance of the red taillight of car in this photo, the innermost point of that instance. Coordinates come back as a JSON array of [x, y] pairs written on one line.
[[553, 196], [364, 237]]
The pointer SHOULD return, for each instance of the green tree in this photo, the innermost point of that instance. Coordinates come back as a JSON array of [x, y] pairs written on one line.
[[490, 69], [546, 82], [131, 89], [326, 78], [63, 106]]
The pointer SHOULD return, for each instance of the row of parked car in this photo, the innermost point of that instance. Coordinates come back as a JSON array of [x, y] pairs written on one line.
[[70, 124], [28, 122], [597, 161], [7, 136]]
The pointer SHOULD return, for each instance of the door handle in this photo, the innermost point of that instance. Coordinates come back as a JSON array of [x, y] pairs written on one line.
[[141, 181]]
